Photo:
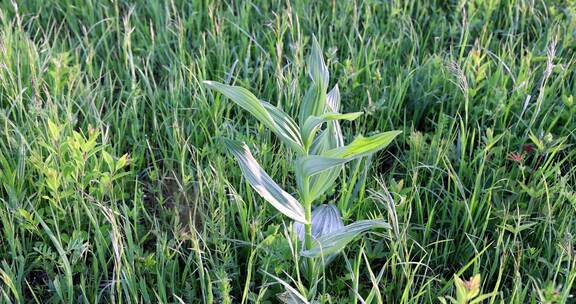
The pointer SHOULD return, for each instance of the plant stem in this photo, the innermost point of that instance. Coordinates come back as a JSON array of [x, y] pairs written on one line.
[[308, 239], [308, 227]]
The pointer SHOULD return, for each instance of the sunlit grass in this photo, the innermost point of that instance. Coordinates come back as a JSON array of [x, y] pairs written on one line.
[[115, 185]]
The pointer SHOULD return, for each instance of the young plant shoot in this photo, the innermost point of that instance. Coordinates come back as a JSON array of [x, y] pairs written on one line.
[[320, 154]]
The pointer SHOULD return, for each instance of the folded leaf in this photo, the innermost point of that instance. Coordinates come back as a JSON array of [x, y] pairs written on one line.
[[287, 126], [333, 99], [318, 69], [325, 220], [312, 123], [330, 138], [263, 183], [314, 102], [362, 146], [334, 242], [323, 169], [272, 117], [322, 182], [310, 165], [335, 138]]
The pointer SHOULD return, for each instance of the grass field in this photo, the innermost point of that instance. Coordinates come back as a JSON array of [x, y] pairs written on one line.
[[116, 187]]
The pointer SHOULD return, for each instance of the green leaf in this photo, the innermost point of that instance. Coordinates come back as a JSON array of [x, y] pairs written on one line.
[[311, 165], [314, 101], [292, 296], [314, 166], [362, 146], [313, 104], [325, 220], [109, 160], [272, 117], [122, 161], [322, 182], [334, 242], [317, 67], [335, 138], [287, 126], [333, 99], [54, 130], [330, 138], [263, 183], [52, 179], [314, 122]]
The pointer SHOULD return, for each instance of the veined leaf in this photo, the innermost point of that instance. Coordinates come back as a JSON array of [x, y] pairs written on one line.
[[330, 138], [290, 297], [318, 69], [322, 182], [313, 164], [335, 138], [323, 169], [325, 220], [336, 241], [286, 124], [314, 102], [362, 146], [272, 117], [263, 183], [314, 122], [333, 99], [318, 183]]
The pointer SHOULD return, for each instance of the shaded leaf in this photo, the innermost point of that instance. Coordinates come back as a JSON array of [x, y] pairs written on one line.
[[54, 130], [287, 125], [313, 103], [362, 146], [331, 137], [325, 219], [291, 295], [314, 164], [337, 240], [314, 122], [333, 99]]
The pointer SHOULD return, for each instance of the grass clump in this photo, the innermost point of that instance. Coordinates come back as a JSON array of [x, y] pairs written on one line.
[[116, 184]]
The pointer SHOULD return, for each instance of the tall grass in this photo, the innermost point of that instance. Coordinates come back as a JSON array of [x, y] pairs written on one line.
[[114, 185]]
